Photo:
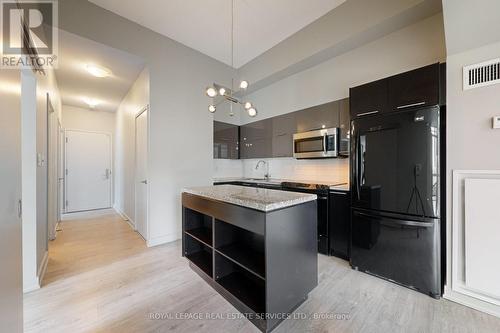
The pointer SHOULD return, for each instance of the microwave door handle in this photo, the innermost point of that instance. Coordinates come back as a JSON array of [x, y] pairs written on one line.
[[325, 141]]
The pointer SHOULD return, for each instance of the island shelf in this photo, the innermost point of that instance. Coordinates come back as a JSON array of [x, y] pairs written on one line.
[[262, 262]]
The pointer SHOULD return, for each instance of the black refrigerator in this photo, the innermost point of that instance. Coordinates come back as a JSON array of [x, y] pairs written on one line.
[[395, 196]]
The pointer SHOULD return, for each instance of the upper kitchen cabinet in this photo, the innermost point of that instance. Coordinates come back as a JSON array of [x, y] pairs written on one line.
[[317, 117], [226, 137], [344, 126], [256, 139], [368, 99], [418, 87], [284, 127]]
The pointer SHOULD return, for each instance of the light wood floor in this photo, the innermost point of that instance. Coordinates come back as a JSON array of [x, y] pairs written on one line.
[[102, 278]]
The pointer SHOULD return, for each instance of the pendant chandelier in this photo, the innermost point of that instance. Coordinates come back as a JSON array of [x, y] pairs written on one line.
[[220, 94]]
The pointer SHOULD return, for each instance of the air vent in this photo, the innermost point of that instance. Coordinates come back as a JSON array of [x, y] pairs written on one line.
[[481, 75]]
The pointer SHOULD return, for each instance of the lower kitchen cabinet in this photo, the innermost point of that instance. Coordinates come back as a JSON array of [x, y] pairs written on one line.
[[339, 215]]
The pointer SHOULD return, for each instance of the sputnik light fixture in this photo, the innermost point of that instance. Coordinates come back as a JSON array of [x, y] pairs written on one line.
[[220, 94]]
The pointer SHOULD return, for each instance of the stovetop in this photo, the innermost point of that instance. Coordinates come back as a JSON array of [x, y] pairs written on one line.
[[309, 186]]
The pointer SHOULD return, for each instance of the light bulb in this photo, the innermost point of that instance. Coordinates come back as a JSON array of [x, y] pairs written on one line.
[[97, 71], [248, 105], [211, 92], [244, 84], [212, 108], [222, 91], [91, 102], [252, 112]]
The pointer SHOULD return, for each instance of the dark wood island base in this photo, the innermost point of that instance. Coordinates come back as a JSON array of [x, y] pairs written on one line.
[[263, 262]]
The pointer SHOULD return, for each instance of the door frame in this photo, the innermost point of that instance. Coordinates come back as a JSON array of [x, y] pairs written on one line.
[[65, 173], [144, 109]]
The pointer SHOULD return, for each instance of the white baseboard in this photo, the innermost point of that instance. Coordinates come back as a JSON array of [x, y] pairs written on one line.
[[87, 214], [36, 281], [472, 302], [31, 285], [125, 217], [162, 240], [43, 267]]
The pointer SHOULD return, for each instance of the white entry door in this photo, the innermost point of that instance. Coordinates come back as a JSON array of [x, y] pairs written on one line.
[[141, 175], [88, 171]]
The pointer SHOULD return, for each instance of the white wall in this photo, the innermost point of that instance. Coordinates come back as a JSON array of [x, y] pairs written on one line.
[[88, 120], [134, 102], [180, 152], [412, 47], [11, 299], [472, 145], [39, 180], [326, 171]]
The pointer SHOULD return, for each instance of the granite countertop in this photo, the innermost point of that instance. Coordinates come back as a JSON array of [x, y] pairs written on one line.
[[276, 181], [261, 199]]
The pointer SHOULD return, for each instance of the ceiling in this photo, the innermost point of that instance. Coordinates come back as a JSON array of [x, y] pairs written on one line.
[[75, 83], [206, 25]]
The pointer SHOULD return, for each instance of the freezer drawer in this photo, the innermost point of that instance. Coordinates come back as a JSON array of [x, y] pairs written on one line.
[[402, 250]]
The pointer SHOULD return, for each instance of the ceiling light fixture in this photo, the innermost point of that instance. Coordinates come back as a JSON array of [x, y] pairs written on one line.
[[91, 102], [220, 94], [97, 71]]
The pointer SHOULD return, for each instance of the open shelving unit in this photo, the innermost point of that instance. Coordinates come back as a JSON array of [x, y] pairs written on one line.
[[243, 254]]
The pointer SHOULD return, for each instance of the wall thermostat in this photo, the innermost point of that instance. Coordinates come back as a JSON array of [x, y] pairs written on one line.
[[496, 122]]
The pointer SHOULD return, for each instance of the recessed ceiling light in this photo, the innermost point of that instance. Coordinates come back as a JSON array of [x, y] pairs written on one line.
[[97, 71], [91, 102]]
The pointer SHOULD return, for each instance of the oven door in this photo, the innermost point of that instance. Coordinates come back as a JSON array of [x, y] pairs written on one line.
[[316, 144]]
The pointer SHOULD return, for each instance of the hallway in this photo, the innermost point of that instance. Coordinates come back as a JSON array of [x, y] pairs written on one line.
[[101, 277]]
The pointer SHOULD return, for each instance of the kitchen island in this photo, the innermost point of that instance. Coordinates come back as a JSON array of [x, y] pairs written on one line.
[[256, 247]]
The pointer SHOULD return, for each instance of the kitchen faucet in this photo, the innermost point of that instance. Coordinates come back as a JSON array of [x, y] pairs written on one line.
[[266, 176]]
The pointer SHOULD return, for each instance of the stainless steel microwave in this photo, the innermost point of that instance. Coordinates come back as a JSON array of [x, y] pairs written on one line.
[[321, 143]]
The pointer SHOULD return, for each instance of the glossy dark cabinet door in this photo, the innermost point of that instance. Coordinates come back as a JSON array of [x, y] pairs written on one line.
[[283, 130], [419, 87], [226, 137], [321, 116], [339, 215], [397, 249], [368, 99], [256, 139], [344, 126]]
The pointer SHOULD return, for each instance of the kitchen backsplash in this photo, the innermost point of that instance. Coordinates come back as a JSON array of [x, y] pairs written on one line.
[[324, 170]]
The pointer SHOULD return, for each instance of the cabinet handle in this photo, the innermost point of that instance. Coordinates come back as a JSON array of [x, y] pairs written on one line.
[[341, 193], [410, 105], [366, 113]]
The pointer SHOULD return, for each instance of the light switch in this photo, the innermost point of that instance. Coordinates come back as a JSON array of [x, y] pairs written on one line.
[[496, 122], [40, 160]]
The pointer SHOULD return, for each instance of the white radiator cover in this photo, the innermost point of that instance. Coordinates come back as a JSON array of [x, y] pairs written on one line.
[[482, 236], [473, 240]]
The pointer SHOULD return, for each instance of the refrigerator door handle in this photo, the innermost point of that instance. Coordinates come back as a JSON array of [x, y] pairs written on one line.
[[398, 221]]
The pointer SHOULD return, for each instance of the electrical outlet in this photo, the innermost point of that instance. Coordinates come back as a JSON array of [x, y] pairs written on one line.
[[496, 122]]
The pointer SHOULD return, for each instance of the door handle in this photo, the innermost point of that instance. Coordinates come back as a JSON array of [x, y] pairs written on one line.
[[20, 208], [144, 182], [366, 113], [108, 173], [410, 105]]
